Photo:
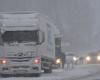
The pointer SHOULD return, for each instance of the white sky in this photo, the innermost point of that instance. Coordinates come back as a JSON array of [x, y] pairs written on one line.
[[78, 20]]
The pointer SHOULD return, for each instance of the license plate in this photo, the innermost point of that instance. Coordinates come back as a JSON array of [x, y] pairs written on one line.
[[20, 71]]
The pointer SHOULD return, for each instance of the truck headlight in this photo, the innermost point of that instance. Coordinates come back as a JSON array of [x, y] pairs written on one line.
[[98, 58], [88, 58], [36, 61], [3, 61]]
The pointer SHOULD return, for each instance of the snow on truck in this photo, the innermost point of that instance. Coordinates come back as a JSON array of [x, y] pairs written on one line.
[[27, 43]]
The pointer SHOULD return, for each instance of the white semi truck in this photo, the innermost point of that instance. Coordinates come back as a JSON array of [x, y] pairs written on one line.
[[27, 43]]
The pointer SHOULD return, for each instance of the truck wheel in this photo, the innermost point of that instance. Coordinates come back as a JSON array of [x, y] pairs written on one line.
[[32, 75], [48, 70], [37, 74]]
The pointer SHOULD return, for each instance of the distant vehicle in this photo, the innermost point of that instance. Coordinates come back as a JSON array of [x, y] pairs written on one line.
[[93, 58], [27, 43]]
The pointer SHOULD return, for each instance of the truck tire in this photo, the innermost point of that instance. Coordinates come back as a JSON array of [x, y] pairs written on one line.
[[37, 74], [48, 70], [32, 75]]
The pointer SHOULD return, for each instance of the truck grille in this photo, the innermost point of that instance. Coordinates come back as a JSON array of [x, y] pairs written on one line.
[[20, 67], [20, 60]]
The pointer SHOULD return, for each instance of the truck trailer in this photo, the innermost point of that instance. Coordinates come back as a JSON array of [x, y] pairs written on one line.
[[27, 43]]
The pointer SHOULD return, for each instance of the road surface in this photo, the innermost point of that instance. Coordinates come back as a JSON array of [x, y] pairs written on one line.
[[82, 72], [95, 76]]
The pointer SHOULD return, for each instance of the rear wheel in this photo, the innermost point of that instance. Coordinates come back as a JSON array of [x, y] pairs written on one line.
[[32, 75], [48, 70], [37, 75]]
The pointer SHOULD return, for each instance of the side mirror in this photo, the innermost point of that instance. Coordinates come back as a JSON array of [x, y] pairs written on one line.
[[41, 37]]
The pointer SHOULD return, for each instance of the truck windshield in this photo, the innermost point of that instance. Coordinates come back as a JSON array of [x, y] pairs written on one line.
[[20, 36]]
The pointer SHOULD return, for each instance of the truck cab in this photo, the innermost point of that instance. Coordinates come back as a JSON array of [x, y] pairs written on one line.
[[28, 44]]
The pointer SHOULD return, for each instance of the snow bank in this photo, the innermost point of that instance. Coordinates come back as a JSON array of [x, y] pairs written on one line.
[[82, 71]]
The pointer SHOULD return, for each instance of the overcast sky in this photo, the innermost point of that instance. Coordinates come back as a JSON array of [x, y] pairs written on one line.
[[78, 20]]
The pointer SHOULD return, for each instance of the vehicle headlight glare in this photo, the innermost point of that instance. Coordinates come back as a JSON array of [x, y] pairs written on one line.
[[88, 58], [74, 58], [98, 58], [58, 61]]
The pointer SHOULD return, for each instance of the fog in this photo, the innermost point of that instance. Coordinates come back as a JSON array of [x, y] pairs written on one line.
[[78, 20]]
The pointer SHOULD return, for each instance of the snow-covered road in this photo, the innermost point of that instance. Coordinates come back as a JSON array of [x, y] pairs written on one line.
[[77, 72], [95, 76]]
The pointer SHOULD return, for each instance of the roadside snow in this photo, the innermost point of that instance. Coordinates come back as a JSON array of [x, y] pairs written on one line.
[[79, 71]]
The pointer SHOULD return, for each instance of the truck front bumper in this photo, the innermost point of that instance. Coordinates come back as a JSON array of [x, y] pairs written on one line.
[[20, 69]]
